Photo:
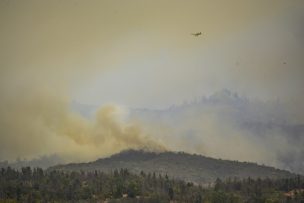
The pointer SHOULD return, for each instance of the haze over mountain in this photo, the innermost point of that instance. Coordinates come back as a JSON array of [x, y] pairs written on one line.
[[43, 162], [132, 59], [223, 125], [226, 125], [179, 165]]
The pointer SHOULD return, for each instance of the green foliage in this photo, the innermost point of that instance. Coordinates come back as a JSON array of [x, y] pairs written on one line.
[[36, 185]]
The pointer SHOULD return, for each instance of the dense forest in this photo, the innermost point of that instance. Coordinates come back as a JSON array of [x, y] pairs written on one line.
[[38, 185]]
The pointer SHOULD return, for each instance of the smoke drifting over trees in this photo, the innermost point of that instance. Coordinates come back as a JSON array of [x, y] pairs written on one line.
[[52, 52]]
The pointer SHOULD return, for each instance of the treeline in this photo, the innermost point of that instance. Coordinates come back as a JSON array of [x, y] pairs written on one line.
[[37, 185], [261, 190]]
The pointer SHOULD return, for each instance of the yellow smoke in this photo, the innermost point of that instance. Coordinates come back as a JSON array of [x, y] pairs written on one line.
[[107, 134], [48, 48], [40, 122]]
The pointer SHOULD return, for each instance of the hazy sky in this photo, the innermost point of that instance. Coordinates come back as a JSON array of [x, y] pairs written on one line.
[[252, 47], [136, 53], [150, 58]]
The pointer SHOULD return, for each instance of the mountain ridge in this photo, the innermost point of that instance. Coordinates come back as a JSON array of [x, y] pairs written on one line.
[[179, 165]]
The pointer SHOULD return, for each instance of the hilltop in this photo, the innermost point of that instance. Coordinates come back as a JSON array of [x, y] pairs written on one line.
[[179, 165]]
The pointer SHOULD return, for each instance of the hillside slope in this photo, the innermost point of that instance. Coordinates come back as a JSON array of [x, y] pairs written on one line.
[[194, 168]]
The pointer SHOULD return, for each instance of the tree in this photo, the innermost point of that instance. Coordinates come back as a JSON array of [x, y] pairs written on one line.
[[170, 193]]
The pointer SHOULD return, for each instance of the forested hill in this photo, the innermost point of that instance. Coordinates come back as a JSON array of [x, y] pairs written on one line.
[[180, 165]]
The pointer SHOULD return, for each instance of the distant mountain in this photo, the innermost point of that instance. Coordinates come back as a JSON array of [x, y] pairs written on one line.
[[179, 165], [268, 132], [209, 124]]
